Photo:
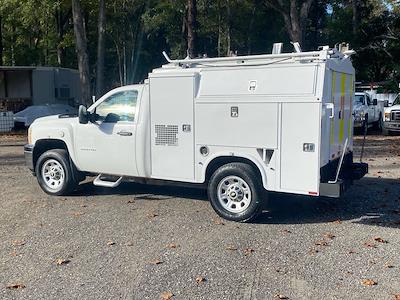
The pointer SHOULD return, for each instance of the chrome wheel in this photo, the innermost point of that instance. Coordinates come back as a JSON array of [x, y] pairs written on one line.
[[234, 194], [53, 174]]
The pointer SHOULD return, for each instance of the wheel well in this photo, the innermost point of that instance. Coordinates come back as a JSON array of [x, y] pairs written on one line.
[[223, 160], [42, 146]]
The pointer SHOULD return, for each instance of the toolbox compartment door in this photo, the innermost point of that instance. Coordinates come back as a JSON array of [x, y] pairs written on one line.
[[172, 121], [300, 167]]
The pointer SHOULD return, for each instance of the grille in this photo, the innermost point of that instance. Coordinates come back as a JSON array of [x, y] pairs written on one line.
[[395, 115], [166, 135]]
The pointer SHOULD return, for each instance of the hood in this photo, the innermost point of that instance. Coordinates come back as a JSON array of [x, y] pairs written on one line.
[[56, 120], [391, 108]]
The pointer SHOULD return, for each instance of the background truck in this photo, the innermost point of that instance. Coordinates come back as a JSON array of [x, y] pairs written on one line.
[[392, 118], [238, 125], [368, 112]]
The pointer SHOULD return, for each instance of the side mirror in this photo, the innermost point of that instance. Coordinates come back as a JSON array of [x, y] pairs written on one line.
[[83, 115], [375, 102], [386, 103]]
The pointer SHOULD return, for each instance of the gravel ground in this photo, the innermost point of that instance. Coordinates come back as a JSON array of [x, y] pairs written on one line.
[[144, 242]]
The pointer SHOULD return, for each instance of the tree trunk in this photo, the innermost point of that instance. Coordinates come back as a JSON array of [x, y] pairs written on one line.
[[1, 42], [228, 29], [101, 50], [355, 17], [81, 50], [219, 29], [295, 17], [192, 28]]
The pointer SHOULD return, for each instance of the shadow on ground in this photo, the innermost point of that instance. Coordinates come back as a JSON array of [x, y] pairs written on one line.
[[371, 201]]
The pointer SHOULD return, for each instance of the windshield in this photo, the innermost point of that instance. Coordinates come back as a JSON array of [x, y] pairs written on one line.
[[359, 99], [397, 100]]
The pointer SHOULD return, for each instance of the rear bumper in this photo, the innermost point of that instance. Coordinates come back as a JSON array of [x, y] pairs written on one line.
[[350, 171], [28, 152]]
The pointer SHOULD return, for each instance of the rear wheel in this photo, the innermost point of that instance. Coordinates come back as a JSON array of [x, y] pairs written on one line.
[[54, 173], [235, 192]]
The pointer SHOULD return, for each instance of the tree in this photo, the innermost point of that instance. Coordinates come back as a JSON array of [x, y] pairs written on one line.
[[81, 50], [100, 49], [294, 14], [192, 27]]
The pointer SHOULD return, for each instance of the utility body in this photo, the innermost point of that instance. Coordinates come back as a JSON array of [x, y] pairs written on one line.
[[240, 125]]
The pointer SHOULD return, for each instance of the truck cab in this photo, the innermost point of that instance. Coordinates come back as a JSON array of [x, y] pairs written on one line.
[[392, 117], [367, 111]]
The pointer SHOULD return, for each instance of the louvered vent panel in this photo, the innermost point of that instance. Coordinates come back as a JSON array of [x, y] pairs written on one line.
[[166, 135]]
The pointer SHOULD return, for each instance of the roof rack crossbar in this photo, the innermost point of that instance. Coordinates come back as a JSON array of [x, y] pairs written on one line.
[[240, 58]]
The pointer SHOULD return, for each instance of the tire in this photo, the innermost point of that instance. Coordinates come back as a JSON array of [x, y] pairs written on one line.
[[61, 179], [244, 203]]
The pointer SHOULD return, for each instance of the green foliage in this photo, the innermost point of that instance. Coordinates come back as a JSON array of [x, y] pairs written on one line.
[[40, 32]]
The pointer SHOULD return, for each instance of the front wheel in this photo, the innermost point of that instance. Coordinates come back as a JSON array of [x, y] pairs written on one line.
[[54, 173], [235, 192]]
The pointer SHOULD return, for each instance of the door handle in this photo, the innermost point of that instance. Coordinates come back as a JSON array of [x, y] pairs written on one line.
[[124, 133]]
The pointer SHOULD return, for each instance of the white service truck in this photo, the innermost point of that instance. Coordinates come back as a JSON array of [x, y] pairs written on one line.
[[238, 125], [368, 111], [392, 117]]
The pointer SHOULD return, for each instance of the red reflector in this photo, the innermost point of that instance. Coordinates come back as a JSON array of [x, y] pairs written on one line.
[[313, 193]]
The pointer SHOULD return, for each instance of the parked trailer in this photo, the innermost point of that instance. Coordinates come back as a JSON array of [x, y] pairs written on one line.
[[240, 125]]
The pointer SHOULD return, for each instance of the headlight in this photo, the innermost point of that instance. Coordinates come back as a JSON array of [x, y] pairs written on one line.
[[360, 115], [30, 135], [387, 116]]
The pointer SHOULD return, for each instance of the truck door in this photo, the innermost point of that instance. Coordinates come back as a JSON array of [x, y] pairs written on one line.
[[107, 145], [172, 120]]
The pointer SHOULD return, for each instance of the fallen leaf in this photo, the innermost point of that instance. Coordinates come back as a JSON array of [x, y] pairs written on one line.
[[280, 296], [166, 295], [321, 243], [389, 266], [18, 243], [83, 205], [352, 252], [129, 244], [200, 279], [337, 222], [13, 253], [61, 261], [16, 286], [329, 235], [396, 296], [172, 246], [313, 251], [131, 201], [370, 245], [78, 214], [380, 240], [219, 222], [156, 262], [286, 231], [231, 248], [110, 243], [248, 251], [368, 282], [152, 215]]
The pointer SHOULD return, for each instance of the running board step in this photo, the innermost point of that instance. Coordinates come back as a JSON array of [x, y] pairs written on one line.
[[105, 183]]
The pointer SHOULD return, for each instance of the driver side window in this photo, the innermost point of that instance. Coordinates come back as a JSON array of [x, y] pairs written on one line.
[[118, 107]]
